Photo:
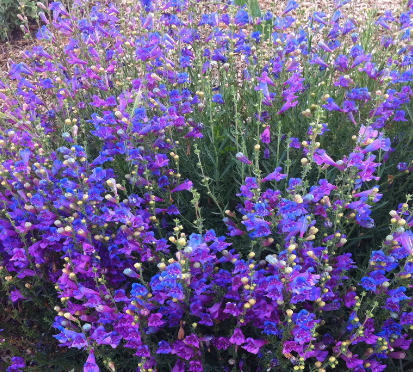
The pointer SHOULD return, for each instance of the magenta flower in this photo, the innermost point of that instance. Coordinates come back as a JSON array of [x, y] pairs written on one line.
[[287, 105], [320, 157], [187, 185], [242, 158], [379, 143], [265, 79], [276, 175], [397, 355]]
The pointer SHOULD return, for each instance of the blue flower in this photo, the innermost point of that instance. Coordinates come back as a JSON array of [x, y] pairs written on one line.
[[270, 328], [138, 290], [44, 33], [217, 98], [241, 18], [368, 283], [194, 240]]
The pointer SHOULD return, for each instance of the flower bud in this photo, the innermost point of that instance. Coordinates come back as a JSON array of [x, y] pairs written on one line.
[[244, 280], [181, 242], [311, 254]]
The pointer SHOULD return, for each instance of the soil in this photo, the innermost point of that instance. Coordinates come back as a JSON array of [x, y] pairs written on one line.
[[13, 48]]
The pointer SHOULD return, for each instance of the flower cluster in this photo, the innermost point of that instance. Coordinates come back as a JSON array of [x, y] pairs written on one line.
[[124, 112]]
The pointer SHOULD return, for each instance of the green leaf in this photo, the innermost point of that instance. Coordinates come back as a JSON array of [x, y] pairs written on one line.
[[252, 6], [265, 28]]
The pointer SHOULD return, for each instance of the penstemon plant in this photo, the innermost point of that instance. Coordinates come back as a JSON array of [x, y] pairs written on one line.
[[206, 186]]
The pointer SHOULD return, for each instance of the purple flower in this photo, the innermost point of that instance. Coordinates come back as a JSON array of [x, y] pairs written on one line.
[[143, 351], [195, 366], [294, 143], [341, 63], [331, 105], [341, 3], [155, 320], [221, 343], [265, 136], [164, 348], [182, 350], [402, 167], [406, 319], [16, 295], [90, 365], [400, 116], [325, 47], [382, 22], [179, 366], [172, 210], [17, 363], [192, 340], [253, 346]]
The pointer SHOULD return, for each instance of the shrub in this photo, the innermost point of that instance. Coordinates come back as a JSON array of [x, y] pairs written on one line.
[[15, 15], [186, 190]]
